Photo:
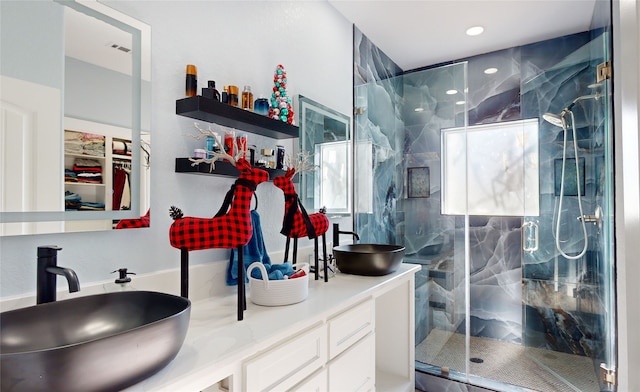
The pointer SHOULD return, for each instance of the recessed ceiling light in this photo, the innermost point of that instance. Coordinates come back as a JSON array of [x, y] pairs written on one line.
[[418, 110], [475, 30], [460, 102], [490, 71], [452, 92]]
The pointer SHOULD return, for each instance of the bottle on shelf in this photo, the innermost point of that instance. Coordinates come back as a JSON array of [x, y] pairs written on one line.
[[210, 91], [261, 106], [191, 85], [212, 145], [247, 98], [230, 142], [233, 95], [225, 94]]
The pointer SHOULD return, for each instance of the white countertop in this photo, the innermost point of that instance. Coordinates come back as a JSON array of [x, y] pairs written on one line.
[[217, 343]]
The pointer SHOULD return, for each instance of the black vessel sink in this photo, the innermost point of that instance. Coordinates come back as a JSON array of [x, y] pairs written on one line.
[[368, 259], [95, 343]]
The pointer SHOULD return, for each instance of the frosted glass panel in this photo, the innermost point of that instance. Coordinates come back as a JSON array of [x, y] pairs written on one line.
[[364, 179], [499, 176], [333, 162]]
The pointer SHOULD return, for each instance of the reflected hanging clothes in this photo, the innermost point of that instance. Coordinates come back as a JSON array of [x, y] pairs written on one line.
[[121, 191]]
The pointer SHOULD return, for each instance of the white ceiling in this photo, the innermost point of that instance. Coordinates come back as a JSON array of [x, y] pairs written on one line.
[[419, 33], [414, 33], [96, 42]]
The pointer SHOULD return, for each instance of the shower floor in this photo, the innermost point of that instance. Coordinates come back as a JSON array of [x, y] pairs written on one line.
[[510, 363]]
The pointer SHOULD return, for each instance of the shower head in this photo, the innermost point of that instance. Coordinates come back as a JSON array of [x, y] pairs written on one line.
[[558, 119], [555, 119], [582, 98]]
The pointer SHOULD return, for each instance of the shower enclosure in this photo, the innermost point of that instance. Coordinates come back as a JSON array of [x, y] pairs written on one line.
[[502, 189]]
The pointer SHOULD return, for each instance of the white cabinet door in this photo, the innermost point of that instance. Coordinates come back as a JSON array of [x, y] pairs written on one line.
[[350, 326], [316, 383], [287, 364], [355, 369]]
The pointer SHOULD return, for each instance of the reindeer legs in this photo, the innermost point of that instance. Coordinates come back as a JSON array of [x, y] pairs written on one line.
[[316, 257], [324, 255], [242, 300], [184, 272], [286, 250]]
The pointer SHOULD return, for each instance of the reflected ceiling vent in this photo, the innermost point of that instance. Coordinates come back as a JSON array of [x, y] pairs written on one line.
[[119, 47]]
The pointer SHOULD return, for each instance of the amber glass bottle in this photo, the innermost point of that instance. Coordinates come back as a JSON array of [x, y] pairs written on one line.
[[247, 98], [191, 88]]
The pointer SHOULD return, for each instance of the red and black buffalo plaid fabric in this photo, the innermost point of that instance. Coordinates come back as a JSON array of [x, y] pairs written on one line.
[[228, 229], [143, 221], [297, 223]]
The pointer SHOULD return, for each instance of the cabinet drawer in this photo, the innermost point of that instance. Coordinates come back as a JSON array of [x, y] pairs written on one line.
[[350, 326], [283, 366], [355, 369], [316, 383]]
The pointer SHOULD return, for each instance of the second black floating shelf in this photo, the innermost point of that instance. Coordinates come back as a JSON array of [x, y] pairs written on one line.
[[222, 168], [212, 111]]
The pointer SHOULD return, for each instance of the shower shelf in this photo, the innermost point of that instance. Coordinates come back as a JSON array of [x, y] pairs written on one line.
[[212, 111]]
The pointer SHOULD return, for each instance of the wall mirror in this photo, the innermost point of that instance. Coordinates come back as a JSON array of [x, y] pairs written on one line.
[[325, 133], [75, 117]]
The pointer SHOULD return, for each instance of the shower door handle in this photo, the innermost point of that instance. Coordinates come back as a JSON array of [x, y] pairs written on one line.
[[529, 236]]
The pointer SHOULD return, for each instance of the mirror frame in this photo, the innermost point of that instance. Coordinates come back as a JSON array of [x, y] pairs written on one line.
[[311, 183], [139, 31]]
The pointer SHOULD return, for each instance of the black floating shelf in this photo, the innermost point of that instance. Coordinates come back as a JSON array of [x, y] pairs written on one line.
[[222, 168], [212, 111]]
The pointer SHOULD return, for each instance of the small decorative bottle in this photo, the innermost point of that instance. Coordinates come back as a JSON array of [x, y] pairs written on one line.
[[212, 145], [230, 142], [261, 106], [210, 91], [247, 98], [191, 85], [233, 95]]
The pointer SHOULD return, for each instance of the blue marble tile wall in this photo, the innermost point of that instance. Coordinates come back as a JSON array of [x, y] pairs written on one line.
[[380, 129], [541, 300]]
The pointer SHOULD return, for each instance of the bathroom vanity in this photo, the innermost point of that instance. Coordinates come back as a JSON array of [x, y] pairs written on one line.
[[353, 333]]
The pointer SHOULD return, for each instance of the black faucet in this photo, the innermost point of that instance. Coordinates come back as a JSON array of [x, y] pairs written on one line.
[[337, 232], [47, 271]]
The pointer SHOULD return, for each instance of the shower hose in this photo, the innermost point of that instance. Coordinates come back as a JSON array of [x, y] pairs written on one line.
[[582, 220]]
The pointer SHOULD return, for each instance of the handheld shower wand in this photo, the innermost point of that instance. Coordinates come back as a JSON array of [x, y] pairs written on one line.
[[582, 221], [559, 120]]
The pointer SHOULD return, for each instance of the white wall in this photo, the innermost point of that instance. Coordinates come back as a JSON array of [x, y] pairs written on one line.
[[626, 75], [232, 43]]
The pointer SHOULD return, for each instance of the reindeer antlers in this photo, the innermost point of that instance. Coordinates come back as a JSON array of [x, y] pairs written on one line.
[[303, 162], [215, 155]]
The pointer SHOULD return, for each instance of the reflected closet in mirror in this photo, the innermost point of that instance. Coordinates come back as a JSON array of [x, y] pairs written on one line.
[[71, 102]]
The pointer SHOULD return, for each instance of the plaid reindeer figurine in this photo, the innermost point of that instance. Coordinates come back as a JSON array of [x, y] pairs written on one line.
[[297, 223], [229, 228]]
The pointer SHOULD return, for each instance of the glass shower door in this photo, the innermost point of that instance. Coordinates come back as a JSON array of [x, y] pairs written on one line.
[[568, 288]]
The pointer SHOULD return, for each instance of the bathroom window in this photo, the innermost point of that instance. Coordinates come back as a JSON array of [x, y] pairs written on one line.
[[332, 160], [491, 169]]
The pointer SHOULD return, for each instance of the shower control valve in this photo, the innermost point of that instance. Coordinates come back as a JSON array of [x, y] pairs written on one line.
[[596, 218]]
